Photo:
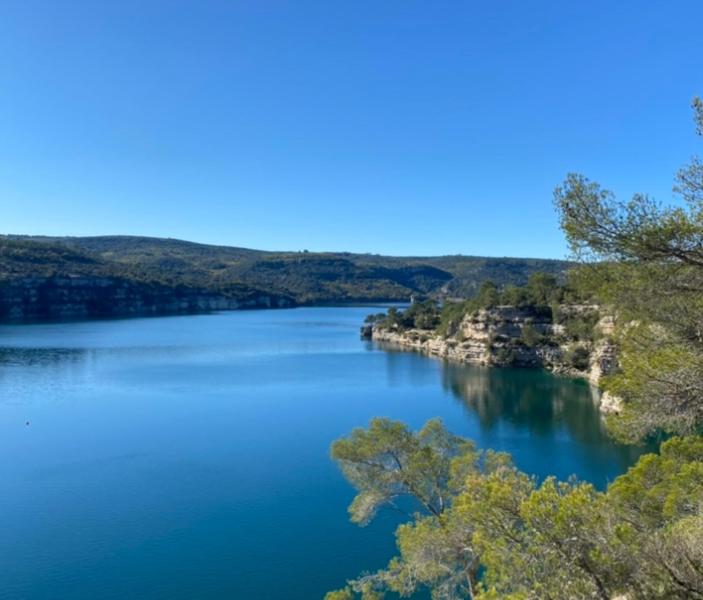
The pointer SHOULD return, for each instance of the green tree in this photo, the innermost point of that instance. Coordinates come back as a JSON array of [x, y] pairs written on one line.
[[542, 289], [646, 262], [529, 335], [387, 462], [513, 295], [578, 357], [488, 295], [499, 534]]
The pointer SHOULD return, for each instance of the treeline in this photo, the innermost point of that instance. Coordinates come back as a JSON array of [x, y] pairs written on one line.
[[306, 277], [542, 296], [23, 258], [41, 280]]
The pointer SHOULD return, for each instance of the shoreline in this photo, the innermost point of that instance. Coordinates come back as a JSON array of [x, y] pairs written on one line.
[[476, 352]]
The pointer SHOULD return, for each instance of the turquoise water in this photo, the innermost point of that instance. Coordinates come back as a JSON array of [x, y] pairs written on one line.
[[187, 457]]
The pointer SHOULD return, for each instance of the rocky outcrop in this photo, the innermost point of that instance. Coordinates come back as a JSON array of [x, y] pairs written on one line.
[[74, 297], [603, 360], [513, 336], [610, 405]]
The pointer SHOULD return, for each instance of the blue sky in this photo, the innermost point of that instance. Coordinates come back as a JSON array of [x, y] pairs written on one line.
[[392, 126]]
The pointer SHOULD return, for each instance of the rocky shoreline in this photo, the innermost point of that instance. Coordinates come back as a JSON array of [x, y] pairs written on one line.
[[496, 337]]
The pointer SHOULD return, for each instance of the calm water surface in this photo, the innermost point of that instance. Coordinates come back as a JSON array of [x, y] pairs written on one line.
[[188, 457]]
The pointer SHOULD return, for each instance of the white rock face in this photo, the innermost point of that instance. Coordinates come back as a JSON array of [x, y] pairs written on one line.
[[604, 360], [609, 404], [494, 337], [488, 337], [471, 351]]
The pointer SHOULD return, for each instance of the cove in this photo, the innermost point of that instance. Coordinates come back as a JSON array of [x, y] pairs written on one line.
[[188, 457]]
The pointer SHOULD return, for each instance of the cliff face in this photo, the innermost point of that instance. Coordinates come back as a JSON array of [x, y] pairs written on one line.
[[72, 297], [511, 336]]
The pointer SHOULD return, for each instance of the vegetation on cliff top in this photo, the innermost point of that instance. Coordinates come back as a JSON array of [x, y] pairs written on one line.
[[23, 258], [542, 297]]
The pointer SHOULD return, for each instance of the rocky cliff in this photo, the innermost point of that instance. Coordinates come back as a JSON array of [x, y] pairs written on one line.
[[513, 336], [80, 296]]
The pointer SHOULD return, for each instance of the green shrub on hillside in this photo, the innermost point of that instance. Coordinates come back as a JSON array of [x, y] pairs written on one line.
[[578, 325], [530, 336], [578, 357]]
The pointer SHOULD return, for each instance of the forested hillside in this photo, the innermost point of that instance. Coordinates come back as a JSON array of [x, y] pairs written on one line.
[[49, 280], [306, 277]]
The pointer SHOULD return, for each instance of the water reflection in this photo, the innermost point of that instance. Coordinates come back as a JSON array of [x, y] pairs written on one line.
[[403, 366], [530, 398], [549, 412], [535, 401]]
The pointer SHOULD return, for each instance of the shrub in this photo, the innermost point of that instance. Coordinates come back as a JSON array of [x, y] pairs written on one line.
[[505, 355], [530, 336], [580, 325], [578, 357]]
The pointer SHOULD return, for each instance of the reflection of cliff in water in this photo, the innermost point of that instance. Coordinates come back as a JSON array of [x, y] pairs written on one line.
[[528, 398], [532, 399]]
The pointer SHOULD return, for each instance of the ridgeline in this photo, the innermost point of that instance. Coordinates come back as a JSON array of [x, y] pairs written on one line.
[[76, 277]]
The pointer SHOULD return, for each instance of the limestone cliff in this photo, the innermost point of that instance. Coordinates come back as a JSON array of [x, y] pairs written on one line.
[[514, 336]]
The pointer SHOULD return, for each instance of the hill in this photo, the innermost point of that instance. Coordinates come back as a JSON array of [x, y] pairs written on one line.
[[240, 274], [51, 280]]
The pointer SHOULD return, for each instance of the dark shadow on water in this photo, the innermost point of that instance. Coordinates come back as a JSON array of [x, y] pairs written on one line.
[[538, 402], [510, 402], [532, 399]]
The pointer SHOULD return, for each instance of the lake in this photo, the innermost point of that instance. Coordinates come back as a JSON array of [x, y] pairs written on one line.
[[188, 457]]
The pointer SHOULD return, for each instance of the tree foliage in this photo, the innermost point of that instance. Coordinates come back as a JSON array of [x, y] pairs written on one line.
[[646, 261], [388, 461], [543, 295], [498, 533]]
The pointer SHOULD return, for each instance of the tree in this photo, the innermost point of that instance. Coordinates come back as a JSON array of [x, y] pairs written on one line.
[[513, 295], [498, 534], [646, 262], [422, 315], [387, 462], [542, 289], [488, 295], [529, 335]]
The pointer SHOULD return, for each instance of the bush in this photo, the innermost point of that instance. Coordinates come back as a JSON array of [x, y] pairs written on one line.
[[422, 315], [530, 336], [578, 357], [505, 355], [579, 326], [451, 315]]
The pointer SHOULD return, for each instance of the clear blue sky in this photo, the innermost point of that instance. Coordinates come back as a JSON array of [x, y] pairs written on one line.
[[391, 126]]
